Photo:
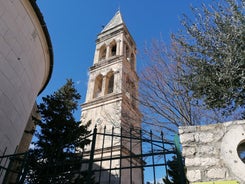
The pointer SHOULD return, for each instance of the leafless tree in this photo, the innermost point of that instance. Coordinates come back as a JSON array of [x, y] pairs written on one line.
[[165, 103]]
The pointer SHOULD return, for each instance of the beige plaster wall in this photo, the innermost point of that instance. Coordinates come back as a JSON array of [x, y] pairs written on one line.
[[24, 68]]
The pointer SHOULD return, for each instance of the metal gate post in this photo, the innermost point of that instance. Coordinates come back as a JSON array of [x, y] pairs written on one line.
[[91, 159]]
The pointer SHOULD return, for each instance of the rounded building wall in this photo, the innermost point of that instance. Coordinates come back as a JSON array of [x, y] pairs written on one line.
[[25, 68]]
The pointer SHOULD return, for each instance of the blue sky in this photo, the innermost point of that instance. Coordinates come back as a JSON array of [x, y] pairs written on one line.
[[74, 25]]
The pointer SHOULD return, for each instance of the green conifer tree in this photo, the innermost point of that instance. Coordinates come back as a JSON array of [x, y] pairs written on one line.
[[54, 158], [174, 175]]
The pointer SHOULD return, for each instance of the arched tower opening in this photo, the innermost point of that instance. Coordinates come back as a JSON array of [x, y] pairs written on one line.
[[113, 48], [102, 52], [109, 83], [98, 86]]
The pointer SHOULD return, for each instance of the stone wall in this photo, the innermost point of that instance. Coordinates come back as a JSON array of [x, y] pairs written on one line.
[[211, 152]]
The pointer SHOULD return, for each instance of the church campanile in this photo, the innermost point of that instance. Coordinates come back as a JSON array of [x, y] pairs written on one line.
[[112, 92]]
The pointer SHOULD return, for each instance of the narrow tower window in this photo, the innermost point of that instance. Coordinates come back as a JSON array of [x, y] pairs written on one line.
[[127, 51], [102, 53], [113, 48], [98, 86], [110, 83]]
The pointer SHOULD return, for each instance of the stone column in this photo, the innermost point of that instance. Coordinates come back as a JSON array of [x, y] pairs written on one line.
[[118, 47], [107, 51], [103, 90]]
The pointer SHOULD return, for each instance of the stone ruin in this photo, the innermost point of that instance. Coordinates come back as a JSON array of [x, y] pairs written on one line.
[[214, 153]]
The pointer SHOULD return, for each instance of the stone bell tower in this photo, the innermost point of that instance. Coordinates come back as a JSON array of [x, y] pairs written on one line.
[[112, 91]]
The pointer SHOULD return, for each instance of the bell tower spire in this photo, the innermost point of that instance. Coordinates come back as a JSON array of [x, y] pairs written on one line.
[[115, 21], [112, 92]]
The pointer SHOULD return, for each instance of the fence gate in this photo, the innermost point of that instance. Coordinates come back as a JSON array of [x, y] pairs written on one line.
[[114, 156]]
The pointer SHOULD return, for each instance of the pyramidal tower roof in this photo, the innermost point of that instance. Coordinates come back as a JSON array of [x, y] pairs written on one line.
[[115, 21]]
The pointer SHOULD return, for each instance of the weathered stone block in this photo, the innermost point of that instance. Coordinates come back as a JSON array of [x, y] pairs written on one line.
[[196, 161], [192, 162], [210, 161], [189, 151], [211, 127], [204, 137], [181, 130], [216, 173], [194, 175], [207, 150], [187, 129], [187, 138]]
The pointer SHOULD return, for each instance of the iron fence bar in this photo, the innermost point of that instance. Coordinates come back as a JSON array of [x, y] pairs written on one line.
[[24, 169], [141, 149], [134, 167], [89, 135], [139, 166], [149, 165], [121, 146], [157, 141], [131, 173], [164, 156], [153, 160], [12, 155], [1, 157], [157, 145], [112, 136], [8, 170], [133, 156], [138, 138], [90, 167], [156, 152], [81, 166], [1, 170], [21, 168], [102, 153]]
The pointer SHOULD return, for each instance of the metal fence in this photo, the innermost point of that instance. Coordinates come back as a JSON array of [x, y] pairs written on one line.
[[115, 156], [13, 167]]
